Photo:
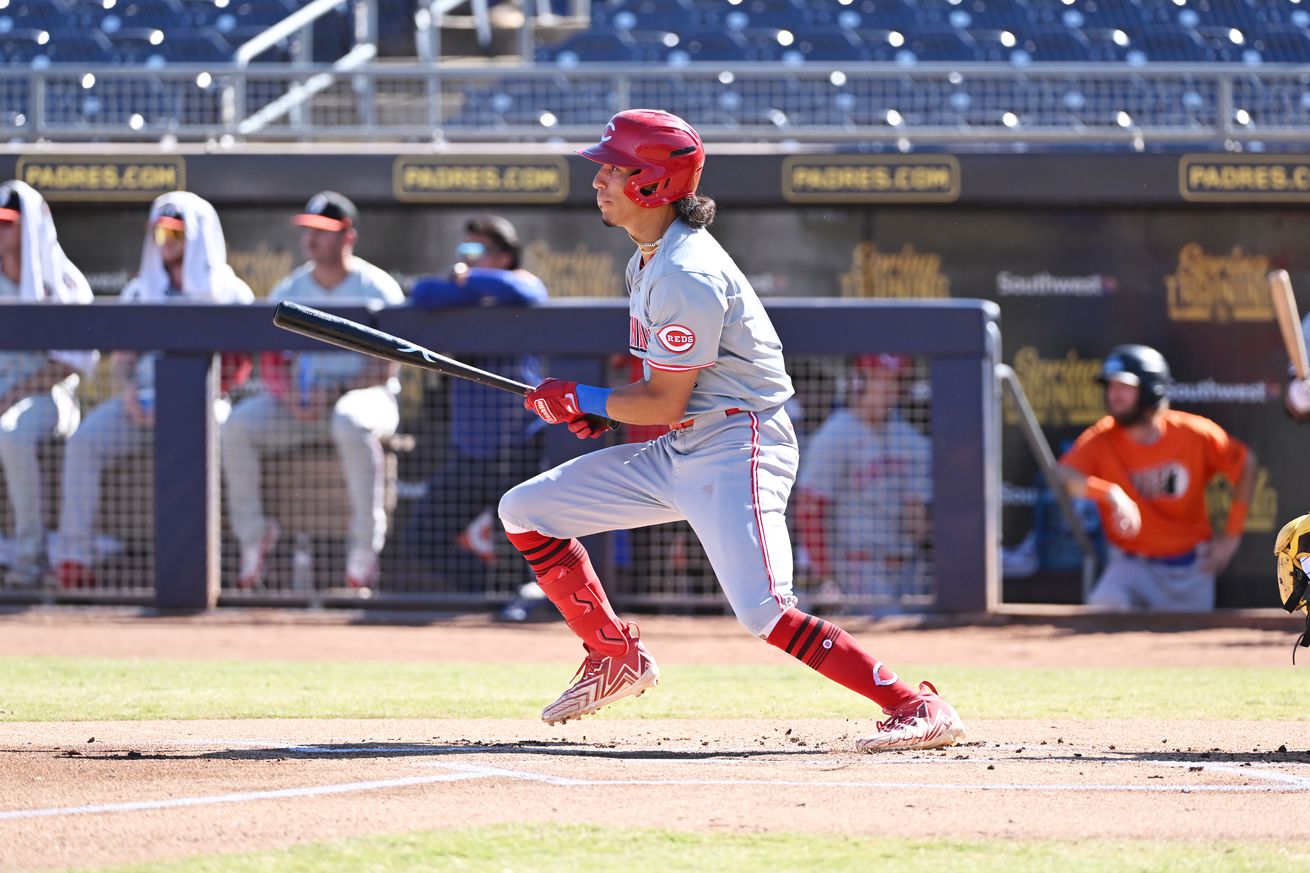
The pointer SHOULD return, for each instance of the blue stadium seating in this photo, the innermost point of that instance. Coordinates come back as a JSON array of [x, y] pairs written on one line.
[[675, 32], [35, 14], [1164, 42], [936, 43], [1070, 31], [194, 31], [1056, 44], [1283, 44], [829, 45], [20, 46]]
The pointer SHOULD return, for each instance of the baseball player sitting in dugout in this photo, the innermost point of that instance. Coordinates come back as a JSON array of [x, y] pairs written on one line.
[[37, 389], [183, 257], [310, 396], [713, 370], [1147, 466]]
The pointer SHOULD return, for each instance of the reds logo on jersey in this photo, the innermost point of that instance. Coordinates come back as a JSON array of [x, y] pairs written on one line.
[[676, 338]]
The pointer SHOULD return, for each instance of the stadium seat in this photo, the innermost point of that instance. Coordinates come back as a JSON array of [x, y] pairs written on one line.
[[1056, 44], [1163, 43], [78, 47], [36, 14], [867, 14], [135, 46], [762, 14], [195, 47], [941, 44], [162, 14], [878, 43], [19, 47], [654, 45], [994, 45], [711, 45], [591, 45], [1222, 13], [832, 44], [260, 12], [1107, 44], [1220, 43], [1109, 14], [1282, 44], [643, 15], [999, 14]]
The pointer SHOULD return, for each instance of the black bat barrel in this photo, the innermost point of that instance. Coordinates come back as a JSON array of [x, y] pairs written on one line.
[[357, 337]]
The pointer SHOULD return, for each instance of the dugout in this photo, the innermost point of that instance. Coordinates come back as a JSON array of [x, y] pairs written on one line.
[[1080, 251]]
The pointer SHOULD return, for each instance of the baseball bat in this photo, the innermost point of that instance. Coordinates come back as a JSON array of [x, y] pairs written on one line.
[[1289, 321], [356, 337]]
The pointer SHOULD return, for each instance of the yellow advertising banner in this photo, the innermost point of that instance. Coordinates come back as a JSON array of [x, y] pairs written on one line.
[[118, 178]]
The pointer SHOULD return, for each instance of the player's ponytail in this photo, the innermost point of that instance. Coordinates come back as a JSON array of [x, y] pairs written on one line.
[[696, 210]]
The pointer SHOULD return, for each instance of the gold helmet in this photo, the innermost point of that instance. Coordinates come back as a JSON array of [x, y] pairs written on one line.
[[1292, 549]]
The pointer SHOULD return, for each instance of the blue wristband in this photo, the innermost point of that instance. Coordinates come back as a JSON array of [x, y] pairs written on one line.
[[593, 400]]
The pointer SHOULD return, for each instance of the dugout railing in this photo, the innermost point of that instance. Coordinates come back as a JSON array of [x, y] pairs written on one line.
[[957, 340]]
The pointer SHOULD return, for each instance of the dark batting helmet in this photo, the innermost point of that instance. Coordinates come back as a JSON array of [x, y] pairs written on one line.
[[1141, 366], [664, 150]]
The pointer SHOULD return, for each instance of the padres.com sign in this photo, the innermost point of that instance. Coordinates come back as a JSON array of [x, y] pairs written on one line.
[[871, 179], [1245, 178], [463, 179], [103, 178]]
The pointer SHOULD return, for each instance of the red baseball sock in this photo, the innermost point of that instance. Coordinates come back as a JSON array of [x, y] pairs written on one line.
[[828, 649], [566, 576]]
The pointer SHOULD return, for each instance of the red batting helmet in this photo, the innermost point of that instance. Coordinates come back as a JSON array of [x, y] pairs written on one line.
[[664, 150]]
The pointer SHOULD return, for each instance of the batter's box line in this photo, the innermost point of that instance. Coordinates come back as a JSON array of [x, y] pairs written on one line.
[[1297, 785]]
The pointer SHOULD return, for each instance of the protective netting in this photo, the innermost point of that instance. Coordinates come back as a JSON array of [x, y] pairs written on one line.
[[330, 505]]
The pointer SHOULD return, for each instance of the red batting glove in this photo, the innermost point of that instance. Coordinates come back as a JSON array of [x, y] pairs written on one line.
[[554, 401], [587, 427]]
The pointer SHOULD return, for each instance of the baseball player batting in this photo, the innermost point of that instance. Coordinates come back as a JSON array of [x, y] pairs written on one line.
[[713, 371]]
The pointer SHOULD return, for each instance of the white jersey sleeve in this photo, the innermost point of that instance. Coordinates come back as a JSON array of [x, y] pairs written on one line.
[[686, 321]]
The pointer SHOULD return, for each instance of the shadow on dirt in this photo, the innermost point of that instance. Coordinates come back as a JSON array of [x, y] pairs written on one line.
[[343, 751]]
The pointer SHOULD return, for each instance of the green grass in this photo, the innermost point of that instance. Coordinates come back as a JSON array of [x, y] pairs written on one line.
[[89, 689], [583, 848]]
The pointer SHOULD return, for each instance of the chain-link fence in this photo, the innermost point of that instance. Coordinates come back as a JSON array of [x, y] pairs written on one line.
[[352, 504]]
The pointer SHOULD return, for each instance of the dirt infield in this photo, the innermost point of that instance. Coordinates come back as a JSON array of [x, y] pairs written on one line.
[[148, 790]]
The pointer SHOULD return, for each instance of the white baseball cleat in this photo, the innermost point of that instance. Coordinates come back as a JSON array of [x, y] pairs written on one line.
[[924, 721], [605, 680]]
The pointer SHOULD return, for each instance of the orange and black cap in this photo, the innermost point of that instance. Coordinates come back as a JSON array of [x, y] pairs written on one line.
[[328, 210]]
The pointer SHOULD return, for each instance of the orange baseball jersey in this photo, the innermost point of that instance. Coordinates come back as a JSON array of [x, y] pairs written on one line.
[[1167, 479]]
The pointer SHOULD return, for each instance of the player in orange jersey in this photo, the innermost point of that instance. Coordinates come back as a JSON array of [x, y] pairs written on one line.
[[1147, 467]]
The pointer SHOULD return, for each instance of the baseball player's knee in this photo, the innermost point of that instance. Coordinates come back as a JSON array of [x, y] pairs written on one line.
[[515, 511], [238, 424], [345, 428], [16, 442]]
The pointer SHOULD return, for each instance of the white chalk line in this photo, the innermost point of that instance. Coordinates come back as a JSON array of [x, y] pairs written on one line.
[[570, 781], [241, 796], [464, 772]]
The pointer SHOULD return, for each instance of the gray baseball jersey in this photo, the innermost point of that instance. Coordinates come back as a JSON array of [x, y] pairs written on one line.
[[364, 283], [728, 475], [868, 472], [690, 308]]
